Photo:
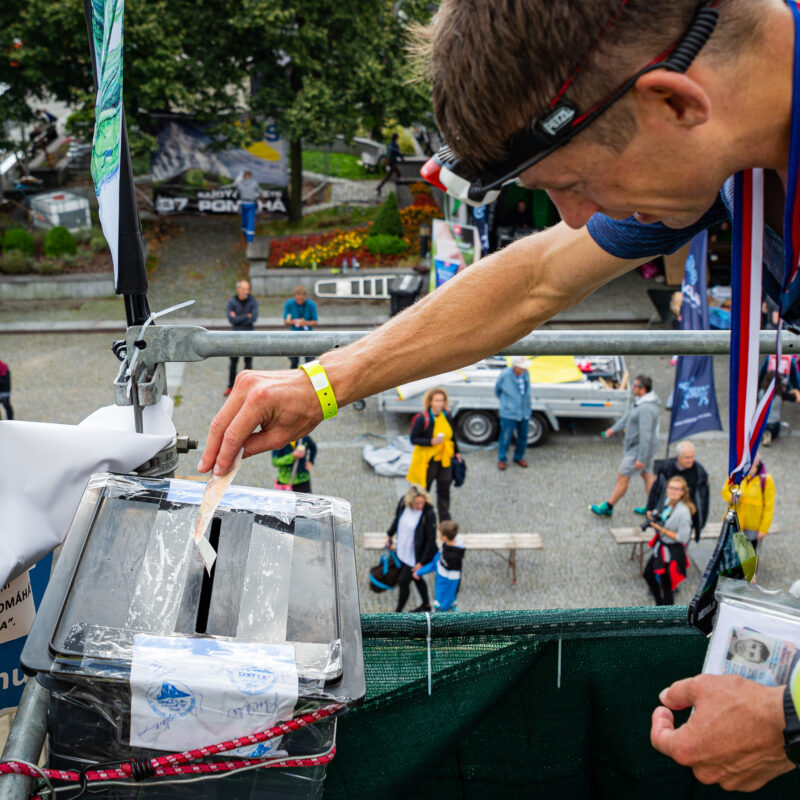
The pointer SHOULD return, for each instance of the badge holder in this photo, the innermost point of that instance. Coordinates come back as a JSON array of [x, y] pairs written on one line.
[[734, 558], [756, 633]]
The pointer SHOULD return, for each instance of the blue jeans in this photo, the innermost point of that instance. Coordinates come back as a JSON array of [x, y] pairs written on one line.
[[248, 220], [507, 428]]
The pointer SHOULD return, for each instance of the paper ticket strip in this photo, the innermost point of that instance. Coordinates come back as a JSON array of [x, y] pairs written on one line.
[[215, 489]]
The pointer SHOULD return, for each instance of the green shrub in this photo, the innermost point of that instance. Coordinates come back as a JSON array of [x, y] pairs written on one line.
[[47, 266], [83, 235], [388, 221], [385, 245], [15, 262], [59, 241], [98, 244], [18, 239]]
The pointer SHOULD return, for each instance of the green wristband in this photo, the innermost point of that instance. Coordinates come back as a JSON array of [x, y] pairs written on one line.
[[322, 386]]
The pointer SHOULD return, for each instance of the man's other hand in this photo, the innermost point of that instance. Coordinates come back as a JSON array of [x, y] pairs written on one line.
[[734, 737], [282, 404]]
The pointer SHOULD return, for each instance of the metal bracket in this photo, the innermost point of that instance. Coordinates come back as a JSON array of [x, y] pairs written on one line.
[[150, 388]]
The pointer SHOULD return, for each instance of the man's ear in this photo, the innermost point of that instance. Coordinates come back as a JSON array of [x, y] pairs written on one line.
[[674, 96]]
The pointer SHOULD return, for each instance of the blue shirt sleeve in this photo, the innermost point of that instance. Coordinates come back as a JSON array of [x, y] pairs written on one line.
[[627, 238], [312, 310], [287, 309]]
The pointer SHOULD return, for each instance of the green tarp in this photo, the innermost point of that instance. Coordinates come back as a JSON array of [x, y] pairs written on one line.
[[533, 704]]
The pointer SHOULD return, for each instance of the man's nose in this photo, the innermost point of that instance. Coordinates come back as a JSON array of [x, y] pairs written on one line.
[[575, 209]]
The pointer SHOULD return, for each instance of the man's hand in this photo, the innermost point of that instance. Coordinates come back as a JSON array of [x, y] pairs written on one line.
[[282, 403], [735, 735], [608, 433], [639, 465]]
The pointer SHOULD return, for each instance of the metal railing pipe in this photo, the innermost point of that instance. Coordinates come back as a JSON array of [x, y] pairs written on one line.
[[166, 343], [25, 739]]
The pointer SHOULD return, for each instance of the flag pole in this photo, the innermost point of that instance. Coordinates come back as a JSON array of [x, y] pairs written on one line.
[[130, 273]]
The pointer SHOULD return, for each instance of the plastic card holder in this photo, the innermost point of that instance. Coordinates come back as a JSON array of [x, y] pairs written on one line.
[[756, 633]]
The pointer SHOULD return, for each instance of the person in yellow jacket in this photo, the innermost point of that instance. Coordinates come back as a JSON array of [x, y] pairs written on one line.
[[435, 447], [756, 502]]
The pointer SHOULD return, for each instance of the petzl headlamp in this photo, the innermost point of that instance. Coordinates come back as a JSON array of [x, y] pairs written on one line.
[[561, 122]]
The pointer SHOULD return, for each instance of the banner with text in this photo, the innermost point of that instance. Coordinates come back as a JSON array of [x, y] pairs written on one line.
[[694, 400], [19, 600], [225, 200]]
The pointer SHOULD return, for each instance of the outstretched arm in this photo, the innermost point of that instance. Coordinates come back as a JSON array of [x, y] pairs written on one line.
[[531, 280]]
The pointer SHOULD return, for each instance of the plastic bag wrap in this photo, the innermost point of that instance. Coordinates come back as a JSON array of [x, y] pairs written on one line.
[[133, 625]]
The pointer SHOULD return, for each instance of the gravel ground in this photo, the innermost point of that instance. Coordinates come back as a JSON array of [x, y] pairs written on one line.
[[64, 378]]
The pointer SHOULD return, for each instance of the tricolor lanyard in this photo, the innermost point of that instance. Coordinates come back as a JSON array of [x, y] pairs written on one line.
[[748, 415]]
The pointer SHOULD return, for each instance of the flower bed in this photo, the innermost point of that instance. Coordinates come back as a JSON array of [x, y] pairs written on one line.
[[329, 250]]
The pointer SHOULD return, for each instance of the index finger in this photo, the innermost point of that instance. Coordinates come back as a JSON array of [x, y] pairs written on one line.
[[662, 731], [234, 436], [217, 429]]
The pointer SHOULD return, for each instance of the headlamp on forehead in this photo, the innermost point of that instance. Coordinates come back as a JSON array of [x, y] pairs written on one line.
[[560, 123]]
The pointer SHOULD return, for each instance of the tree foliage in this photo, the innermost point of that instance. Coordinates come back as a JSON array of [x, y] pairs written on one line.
[[319, 68]]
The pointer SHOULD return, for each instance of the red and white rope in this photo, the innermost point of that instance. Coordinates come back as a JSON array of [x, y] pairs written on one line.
[[172, 764]]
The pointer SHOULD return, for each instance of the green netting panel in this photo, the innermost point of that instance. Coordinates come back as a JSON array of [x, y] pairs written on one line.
[[498, 725]]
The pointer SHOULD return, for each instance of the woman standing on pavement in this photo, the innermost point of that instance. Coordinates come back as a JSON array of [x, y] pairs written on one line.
[[415, 525], [435, 446], [673, 525], [756, 502]]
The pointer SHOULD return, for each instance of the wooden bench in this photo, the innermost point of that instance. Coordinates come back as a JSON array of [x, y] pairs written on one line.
[[480, 541], [638, 538]]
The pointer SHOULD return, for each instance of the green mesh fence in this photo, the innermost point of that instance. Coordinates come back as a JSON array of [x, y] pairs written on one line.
[[528, 704]]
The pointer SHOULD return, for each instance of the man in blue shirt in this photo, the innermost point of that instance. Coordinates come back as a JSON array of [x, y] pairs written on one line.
[[513, 389], [300, 314], [659, 144]]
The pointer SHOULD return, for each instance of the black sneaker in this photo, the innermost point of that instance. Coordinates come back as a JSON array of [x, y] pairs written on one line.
[[423, 607]]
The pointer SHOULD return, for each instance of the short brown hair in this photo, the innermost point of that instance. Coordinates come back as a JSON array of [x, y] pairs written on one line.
[[495, 65], [300, 289], [431, 393], [448, 529]]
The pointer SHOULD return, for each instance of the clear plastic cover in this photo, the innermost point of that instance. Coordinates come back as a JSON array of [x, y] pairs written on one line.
[[132, 576]]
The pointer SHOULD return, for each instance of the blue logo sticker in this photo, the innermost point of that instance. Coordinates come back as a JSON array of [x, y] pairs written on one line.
[[252, 680], [171, 699]]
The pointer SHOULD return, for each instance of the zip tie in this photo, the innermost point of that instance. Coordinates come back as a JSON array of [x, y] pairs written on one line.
[[428, 617], [558, 676], [152, 318]]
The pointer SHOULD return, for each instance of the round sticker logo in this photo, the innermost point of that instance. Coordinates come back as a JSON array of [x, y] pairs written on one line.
[[252, 680], [171, 699]]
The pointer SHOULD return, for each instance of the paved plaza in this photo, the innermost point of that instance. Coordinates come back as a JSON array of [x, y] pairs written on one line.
[[63, 378]]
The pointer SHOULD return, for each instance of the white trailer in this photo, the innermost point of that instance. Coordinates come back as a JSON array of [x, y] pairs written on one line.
[[603, 393]]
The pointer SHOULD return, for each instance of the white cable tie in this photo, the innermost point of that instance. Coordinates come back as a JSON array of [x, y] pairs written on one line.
[[152, 318], [430, 678]]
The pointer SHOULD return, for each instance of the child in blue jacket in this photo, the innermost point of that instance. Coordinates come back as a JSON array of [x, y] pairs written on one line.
[[447, 564]]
